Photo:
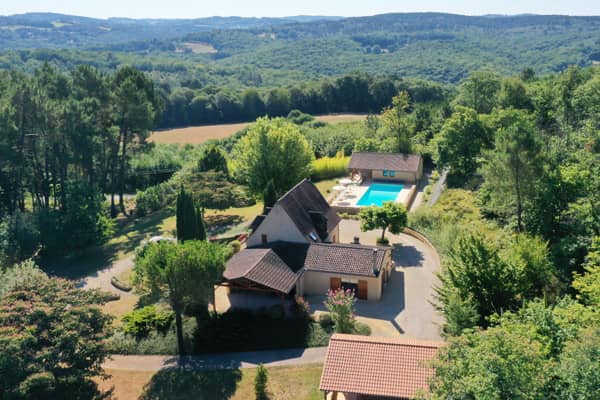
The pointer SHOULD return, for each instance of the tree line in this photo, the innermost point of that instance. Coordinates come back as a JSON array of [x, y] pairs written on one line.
[[350, 93]]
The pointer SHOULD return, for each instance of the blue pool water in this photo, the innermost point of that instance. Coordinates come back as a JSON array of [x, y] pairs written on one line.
[[378, 193]]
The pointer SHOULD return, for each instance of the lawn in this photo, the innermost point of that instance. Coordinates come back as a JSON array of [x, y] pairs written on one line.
[[297, 382], [201, 134]]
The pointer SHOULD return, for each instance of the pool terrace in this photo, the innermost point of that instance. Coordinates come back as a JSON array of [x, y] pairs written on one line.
[[346, 198]]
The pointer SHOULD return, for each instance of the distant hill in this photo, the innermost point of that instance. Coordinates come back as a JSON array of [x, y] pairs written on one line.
[[50, 30], [272, 51]]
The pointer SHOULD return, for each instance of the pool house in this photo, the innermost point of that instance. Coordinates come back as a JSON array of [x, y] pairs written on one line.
[[376, 178]]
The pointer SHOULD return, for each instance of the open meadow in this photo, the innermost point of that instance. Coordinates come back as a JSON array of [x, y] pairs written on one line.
[[200, 134]]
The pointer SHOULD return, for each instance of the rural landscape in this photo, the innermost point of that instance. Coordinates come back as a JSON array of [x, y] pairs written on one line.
[[399, 206]]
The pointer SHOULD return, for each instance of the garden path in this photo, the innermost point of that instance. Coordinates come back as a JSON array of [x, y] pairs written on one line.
[[270, 358]]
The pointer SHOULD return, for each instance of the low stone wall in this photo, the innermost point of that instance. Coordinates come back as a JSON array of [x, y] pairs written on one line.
[[422, 238], [411, 196]]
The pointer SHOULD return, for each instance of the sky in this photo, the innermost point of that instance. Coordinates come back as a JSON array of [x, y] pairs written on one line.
[[279, 8]]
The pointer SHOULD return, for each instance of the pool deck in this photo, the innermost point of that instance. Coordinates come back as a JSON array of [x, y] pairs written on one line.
[[347, 200]]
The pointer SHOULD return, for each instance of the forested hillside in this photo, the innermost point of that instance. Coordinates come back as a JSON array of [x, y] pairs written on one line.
[[48, 30]]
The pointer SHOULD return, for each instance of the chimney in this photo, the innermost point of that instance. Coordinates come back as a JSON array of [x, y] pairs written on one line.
[[375, 269], [356, 240], [263, 238]]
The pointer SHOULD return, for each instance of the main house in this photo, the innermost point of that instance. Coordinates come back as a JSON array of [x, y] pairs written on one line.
[[368, 368], [294, 249], [387, 166]]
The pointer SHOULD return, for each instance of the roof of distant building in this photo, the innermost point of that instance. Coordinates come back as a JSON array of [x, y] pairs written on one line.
[[385, 161]]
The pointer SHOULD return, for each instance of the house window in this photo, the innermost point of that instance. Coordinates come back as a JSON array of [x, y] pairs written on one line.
[[385, 172], [392, 173]]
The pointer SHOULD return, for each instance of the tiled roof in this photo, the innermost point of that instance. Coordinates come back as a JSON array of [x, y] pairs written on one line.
[[261, 266], [374, 366], [351, 259], [389, 161], [278, 265], [303, 199]]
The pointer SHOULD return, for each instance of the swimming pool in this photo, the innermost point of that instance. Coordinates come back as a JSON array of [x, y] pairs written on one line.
[[378, 193]]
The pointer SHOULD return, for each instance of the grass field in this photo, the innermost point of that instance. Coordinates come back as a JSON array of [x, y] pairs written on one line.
[[200, 134], [285, 383]]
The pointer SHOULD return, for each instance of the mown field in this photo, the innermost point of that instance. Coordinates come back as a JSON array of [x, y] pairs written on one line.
[[200, 134], [285, 383]]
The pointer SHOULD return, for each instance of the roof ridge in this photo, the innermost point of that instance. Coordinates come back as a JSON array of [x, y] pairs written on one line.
[[292, 189], [353, 245], [400, 341]]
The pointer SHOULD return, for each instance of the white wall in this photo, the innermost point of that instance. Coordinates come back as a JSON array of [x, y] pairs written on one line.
[[278, 226]]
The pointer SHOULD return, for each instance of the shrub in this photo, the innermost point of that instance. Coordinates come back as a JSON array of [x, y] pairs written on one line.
[[325, 321], [301, 308], [329, 167], [362, 329], [235, 246], [260, 383], [140, 323], [340, 304]]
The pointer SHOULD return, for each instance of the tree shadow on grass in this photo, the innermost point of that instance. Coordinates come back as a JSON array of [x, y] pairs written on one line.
[[129, 234], [181, 384]]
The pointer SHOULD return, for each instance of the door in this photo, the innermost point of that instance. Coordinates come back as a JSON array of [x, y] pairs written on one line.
[[363, 290], [335, 283]]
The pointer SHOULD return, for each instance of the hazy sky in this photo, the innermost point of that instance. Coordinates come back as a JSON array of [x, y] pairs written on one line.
[[270, 8]]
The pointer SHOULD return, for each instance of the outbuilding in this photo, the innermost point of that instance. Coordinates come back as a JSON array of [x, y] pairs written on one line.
[[396, 167]]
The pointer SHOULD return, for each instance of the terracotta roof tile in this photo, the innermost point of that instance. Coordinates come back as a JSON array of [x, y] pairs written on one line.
[[381, 161], [377, 366], [349, 259], [261, 266]]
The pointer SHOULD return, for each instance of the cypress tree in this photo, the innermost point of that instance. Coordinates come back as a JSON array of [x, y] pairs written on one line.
[[179, 214], [200, 226], [269, 195]]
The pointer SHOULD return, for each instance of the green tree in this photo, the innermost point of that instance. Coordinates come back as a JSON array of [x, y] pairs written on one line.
[[578, 369], [213, 159], [184, 274], [479, 91], [474, 270], [459, 143], [269, 195], [278, 103], [272, 150], [513, 94], [189, 219], [51, 338], [493, 364], [136, 109], [511, 170], [395, 120], [390, 216], [588, 284], [260, 383]]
